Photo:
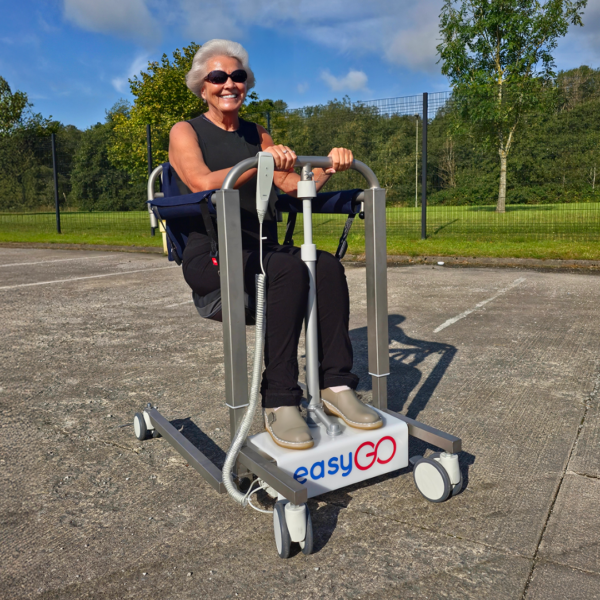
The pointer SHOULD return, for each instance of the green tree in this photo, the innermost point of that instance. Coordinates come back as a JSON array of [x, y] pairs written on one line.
[[12, 107], [498, 57], [24, 151], [161, 99], [96, 184]]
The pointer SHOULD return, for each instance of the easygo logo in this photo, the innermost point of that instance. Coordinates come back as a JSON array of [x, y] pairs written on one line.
[[365, 457], [374, 454]]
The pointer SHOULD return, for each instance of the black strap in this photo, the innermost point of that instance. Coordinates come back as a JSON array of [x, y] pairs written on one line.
[[343, 244], [176, 256], [210, 230], [289, 229]]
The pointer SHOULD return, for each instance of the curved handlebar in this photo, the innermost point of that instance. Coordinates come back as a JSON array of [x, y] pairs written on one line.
[[323, 162]]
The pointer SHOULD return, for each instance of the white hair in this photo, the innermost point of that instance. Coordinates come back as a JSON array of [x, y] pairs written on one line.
[[195, 77]]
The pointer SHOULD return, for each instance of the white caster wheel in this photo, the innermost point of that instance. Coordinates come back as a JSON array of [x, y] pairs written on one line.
[[292, 523], [456, 487], [283, 542], [307, 543], [432, 480], [139, 426]]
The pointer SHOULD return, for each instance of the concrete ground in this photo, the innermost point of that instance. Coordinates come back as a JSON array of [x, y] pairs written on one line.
[[88, 511]]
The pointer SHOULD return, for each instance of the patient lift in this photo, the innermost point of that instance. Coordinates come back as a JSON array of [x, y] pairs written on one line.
[[341, 455]]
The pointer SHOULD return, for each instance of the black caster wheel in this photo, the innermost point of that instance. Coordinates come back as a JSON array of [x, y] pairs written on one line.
[[283, 541], [139, 426], [432, 480], [307, 544]]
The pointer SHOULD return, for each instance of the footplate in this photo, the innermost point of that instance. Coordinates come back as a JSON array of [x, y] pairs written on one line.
[[336, 462]]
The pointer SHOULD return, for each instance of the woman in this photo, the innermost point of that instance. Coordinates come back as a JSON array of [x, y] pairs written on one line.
[[202, 151]]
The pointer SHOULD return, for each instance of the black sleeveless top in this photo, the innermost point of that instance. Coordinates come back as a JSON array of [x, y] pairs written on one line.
[[221, 150]]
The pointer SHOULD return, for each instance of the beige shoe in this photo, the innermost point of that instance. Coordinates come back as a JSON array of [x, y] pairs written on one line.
[[346, 405], [288, 428]]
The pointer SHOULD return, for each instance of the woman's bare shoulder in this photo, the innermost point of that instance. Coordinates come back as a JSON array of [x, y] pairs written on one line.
[[182, 129]]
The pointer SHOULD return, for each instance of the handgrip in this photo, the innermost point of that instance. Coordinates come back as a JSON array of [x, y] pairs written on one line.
[[323, 162]]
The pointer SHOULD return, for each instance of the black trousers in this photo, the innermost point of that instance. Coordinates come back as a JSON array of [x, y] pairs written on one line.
[[287, 296]]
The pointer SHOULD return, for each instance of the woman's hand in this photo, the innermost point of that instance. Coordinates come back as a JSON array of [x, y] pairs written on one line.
[[342, 159], [284, 157]]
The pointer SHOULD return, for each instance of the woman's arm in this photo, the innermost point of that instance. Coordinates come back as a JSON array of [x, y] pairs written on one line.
[[186, 157], [286, 179], [187, 160]]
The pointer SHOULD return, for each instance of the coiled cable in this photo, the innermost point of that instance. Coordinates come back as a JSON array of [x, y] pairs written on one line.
[[242, 432]]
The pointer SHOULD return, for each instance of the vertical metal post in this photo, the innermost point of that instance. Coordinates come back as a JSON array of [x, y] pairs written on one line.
[[150, 168], [377, 302], [307, 191], [417, 162], [269, 122], [232, 298], [149, 147], [424, 172], [55, 171], [309, 256]]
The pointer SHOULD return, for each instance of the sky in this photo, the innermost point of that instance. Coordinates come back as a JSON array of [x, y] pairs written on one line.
[[73, 57]]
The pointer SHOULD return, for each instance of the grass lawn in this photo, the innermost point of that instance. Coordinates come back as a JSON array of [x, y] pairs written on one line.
[[568, 231], [109, 228]]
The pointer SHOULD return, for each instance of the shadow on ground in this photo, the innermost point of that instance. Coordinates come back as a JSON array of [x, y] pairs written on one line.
[[405, 376], [205, 444]]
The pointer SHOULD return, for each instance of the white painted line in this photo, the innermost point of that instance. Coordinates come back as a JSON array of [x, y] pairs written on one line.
[[43, 262], [453, 320], [21, 285], [179, 304]]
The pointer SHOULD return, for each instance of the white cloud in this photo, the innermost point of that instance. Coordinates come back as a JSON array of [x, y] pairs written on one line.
[[205, 20], [139, 64], [128, 19], [45, 25], [30, 39], [416, 48], [303, 88], [404, 33], [581, 46], [354, 81]]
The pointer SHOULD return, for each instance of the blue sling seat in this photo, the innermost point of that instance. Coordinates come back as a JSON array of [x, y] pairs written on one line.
[[177, 212]]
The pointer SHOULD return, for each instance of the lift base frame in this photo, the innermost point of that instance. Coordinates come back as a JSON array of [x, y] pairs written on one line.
[[259, 464]]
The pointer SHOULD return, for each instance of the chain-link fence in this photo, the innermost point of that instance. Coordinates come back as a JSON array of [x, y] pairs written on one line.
[[425, 149], [43, 191], [552, 168]]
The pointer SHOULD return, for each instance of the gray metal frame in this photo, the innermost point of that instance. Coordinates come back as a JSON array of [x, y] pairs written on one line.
[[156, 173], [227, 202]]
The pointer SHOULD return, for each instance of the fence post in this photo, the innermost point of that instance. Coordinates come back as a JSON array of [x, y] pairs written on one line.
[[149, 148], [424, 172], [417, 162], [55, 172]]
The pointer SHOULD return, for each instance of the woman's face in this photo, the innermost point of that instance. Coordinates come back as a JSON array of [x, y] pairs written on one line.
[[229, 96]]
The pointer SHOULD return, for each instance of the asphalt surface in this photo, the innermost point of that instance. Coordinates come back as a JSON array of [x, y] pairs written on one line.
[[506, 359]]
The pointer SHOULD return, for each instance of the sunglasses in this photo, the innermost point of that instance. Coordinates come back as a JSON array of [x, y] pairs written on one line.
[[220, 77]]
